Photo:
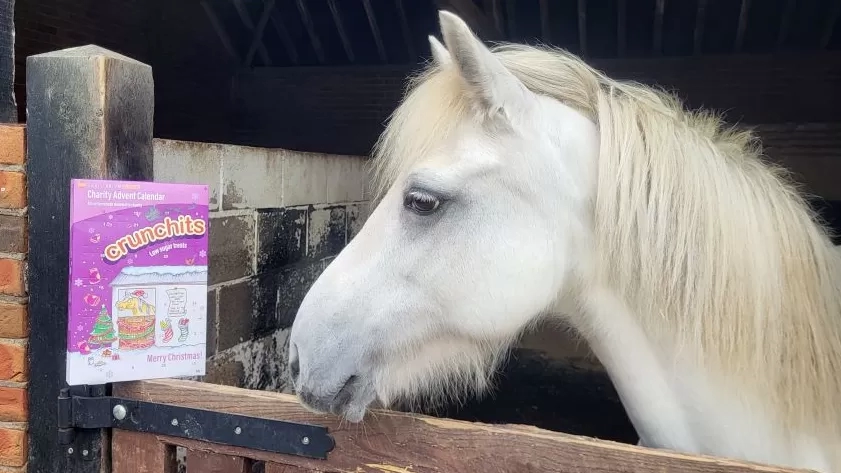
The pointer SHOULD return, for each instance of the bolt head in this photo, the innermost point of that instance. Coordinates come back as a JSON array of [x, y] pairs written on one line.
[[119, 412], [70, 451], [85, 453], [305, 440], [174, 422], [238, 430]]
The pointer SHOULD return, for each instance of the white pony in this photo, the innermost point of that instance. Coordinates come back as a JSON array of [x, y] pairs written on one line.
[[520, 183]]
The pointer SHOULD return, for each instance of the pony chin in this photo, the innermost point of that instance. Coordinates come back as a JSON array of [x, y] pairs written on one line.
[[439, 372]]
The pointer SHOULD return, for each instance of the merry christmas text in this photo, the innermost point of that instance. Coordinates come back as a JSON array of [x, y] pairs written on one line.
[[169, 228], [174, 357]]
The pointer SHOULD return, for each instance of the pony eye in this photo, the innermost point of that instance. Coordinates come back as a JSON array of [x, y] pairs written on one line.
[[421, 203]]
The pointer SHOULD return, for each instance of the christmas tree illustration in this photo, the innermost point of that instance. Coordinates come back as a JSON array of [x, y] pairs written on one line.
[[103, 330]]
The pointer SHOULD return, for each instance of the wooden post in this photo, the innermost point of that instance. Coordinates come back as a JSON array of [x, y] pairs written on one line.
[[8, 109], [89, 116]]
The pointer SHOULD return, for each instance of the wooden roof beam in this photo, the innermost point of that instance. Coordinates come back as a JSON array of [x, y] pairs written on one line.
[[700, 20], [743, 26], [257, 39], [285, 37], [310, 27], [407, 33], [785, 22], [246, 20], [340, 28], [621, 26], [657, 45], [831, 20], [375, 30], [220, 31], [582, 26], [545, 32]]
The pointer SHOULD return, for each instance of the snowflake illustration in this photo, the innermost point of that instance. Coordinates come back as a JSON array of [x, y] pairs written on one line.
[[203, 254], [78, 282], [79, 327], [91, 230], [130, 261], [110, 217], [137, 214], [195, 197]]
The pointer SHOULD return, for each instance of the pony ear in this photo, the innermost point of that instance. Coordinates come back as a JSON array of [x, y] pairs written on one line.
[[439, 53], [494, 86]]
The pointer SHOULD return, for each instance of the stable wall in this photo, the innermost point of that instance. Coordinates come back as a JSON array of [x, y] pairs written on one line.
[[342, 110], [277, 219]]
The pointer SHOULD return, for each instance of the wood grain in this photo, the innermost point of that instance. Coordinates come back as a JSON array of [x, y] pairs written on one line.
[[278, 468], [134, 452], [398, 442], [206, 462]]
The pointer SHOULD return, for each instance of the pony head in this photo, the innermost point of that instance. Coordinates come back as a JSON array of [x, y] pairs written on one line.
[[479, 224]]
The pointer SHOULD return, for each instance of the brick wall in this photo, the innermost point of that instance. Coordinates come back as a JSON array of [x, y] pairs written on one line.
[[277, 219], [14, 328]]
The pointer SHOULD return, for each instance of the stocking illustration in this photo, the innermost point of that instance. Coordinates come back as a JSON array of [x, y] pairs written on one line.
[[184, 327], [166, 327]]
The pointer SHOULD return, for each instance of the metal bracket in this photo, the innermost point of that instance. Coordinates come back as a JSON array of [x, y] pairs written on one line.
[[77, 412]]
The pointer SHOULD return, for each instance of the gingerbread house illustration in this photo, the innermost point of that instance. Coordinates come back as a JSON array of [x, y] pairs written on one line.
[[148, 301]]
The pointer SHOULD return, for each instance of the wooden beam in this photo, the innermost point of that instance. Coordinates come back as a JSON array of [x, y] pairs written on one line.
[[257, 39], [396, 441], [657, 45], [407, 33], [582, 26], [742, 27], [90, 116], [285, 38], [249, 25], [511, 16], [340, 28], [545, 32], [220, 31], [785, 22], [496, 12], [700, 21], [310, 27], [829, 27], [621, 26], [375, 30]]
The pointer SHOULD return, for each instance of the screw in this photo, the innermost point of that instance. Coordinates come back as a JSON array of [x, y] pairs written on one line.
[[174, 422], [119, 412], [84, 453], [70, 451], [238, 431], [305, 440]]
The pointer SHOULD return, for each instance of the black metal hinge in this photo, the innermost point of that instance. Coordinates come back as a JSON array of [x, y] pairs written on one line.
[[77, 412]]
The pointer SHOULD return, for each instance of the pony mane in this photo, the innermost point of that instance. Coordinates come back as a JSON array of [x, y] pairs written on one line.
[[710, 247]]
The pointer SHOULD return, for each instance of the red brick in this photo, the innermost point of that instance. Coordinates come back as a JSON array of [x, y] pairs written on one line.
[[13, 362], [12, 190], [12, 144], [11, 277], [13, 404], [13, 238], [14, 320], [13, 447]]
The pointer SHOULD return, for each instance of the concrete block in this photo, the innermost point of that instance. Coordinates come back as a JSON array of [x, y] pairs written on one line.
[[281, 237], [231, 248], [293, 284], [251, 178], [326, 231], [234, 315], [190, 162], [357, 214], [311, 178], [212, 321]]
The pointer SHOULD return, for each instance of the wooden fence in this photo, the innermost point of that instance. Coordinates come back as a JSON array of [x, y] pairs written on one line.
[[387, 442]]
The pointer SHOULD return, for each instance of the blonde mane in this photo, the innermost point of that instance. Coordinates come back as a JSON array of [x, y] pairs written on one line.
[[710, 246]]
